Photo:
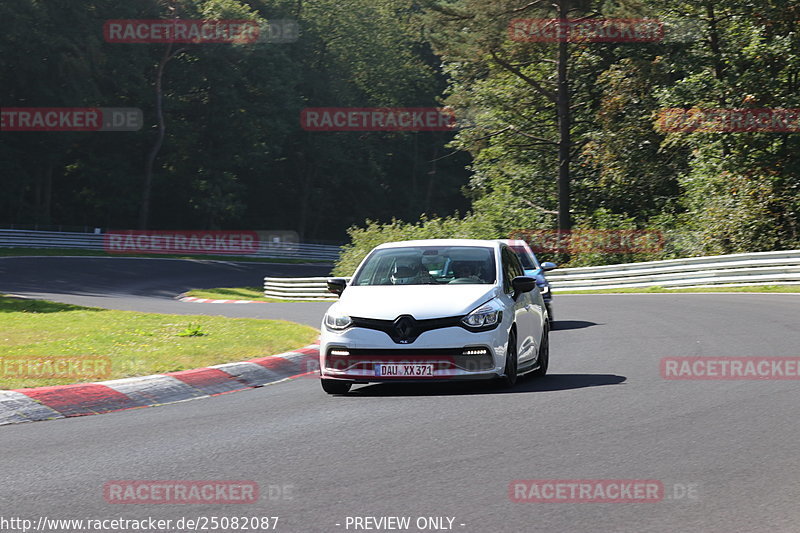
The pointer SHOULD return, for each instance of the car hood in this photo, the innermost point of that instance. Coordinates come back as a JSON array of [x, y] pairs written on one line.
[[387, 302]]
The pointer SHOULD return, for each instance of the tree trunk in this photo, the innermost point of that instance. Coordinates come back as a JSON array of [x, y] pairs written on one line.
[[37, 196], [307, 169], [431, 179], [144, 213], [719, 63], [47, 202], [564, 123]]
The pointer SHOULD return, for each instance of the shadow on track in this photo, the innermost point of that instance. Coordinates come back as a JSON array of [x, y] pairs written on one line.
[[549, 383], [146, 277], [559, 325], [13, 304]]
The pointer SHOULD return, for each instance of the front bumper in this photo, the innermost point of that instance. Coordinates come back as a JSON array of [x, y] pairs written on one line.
[[454, 353]]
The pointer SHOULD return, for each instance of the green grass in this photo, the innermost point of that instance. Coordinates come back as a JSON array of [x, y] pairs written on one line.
[[237, 293], [16, 252], [137, 344], [662, 290]]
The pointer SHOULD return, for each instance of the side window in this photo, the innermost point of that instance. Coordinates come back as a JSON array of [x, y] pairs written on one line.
[[516, 266], [508, 275], [511, 269]]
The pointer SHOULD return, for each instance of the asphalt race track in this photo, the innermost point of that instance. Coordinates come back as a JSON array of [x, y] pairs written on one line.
[[725, 451], [151, 285]]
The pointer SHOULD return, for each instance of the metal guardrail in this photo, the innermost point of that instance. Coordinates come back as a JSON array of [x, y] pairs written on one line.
[[737, 270], [297, 288], [94, 241]]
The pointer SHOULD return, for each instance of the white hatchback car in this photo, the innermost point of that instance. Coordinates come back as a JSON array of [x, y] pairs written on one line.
[[439, 309]]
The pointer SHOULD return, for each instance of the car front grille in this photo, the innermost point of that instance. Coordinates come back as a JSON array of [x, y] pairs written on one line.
[[405, 329]]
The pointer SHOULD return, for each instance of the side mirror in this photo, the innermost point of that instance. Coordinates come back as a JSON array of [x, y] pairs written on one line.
[[337, 285], [548, 266], [522, 284]]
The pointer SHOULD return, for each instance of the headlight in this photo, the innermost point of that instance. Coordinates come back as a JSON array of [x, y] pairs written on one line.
[[487, 316], [337, 321]]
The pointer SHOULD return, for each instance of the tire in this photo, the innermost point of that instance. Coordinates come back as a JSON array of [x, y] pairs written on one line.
[[335, 386], [510, 377], [544, 354], [549, 313]]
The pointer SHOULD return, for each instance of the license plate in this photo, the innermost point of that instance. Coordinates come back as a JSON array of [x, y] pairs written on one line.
[[404, 370]]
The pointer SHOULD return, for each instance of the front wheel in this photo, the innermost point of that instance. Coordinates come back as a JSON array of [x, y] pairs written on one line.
[[335, 386], [510, 377], [544, 354]]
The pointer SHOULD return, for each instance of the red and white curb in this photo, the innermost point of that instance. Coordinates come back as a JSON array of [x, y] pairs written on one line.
[[82, 399], [212, 301]]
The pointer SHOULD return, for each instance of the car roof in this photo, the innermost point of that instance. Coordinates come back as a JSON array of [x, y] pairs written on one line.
[[441, 242]]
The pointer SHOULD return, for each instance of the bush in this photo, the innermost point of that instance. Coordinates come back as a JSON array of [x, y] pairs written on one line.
[[496, 224], [363, 240]]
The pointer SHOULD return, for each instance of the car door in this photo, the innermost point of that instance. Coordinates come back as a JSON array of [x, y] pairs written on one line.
[[523, 312], [536, 312]]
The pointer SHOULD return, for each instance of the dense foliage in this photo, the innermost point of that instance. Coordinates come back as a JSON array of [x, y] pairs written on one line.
[[707, 192], [234, 153], [235, 156]]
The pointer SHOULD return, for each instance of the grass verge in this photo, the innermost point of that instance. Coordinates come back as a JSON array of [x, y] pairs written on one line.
[[237, 293], [136, 344], [662, 290], [16, 252]]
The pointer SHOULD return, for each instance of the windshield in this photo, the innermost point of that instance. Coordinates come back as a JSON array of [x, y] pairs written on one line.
[[428, 265]]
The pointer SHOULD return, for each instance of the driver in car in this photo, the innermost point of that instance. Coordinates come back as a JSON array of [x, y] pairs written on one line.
[[466, 272], [411, 273]]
